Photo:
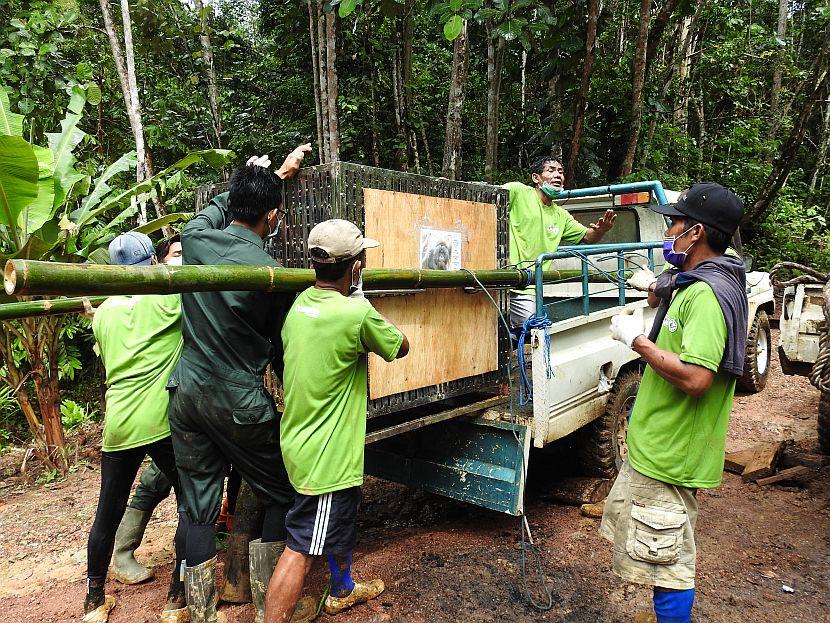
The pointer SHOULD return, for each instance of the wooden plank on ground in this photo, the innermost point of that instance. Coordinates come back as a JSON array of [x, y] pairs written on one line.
[[736, 462], [793, 473], [763, 461]]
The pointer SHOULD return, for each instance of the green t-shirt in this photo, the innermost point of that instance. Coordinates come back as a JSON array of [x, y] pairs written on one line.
[[323, 430], [536, 228], [674, 437], [140, 340]]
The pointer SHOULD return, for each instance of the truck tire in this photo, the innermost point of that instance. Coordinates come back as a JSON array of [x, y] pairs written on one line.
[[602, 446], [824, 423], [758, 352]]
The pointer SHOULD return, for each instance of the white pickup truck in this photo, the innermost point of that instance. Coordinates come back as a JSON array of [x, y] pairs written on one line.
[[481, 456]]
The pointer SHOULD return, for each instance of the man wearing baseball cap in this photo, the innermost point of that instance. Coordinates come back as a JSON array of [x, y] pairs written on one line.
[[326, 338], [140, 339], [677, 428]]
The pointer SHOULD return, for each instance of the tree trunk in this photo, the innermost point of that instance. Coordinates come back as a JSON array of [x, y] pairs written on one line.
[[210, 73], [331, 84], [48, 398], [781, 31], [681, 107], [655, 34], [325, 155], [638, 80], [125, 66], [582, 96], [822, 154], [452, 141], [315, 63], [407, 38], [495, 56], [783, 164]]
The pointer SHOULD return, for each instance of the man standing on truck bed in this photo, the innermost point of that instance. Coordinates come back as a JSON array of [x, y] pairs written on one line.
[[538, 225], [677, 429], [220, 412]]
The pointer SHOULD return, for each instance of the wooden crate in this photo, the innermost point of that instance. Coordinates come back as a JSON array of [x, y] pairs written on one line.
[[458, 344]]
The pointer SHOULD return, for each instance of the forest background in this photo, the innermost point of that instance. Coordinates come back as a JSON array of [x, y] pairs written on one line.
[[735, 92]]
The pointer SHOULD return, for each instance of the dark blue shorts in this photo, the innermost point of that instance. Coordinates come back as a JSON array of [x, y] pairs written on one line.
[[324, 524]]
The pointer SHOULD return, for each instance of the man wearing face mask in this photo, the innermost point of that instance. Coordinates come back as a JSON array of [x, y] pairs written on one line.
[[538, 225], [323, 429], [220, 412], [677, 428]]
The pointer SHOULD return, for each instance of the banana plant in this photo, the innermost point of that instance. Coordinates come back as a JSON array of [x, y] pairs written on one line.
[[49, 210]]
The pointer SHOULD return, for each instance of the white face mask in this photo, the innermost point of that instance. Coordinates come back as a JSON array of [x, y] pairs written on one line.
[[174, 261], [356, 289]]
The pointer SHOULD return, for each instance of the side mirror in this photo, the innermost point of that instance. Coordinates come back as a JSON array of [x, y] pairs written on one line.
[[749, 260]]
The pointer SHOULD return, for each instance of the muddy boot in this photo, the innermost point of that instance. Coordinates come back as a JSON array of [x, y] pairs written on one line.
[[263, 558], [124, 567], [97, 605], [200, 588], [360, 593], [175, 611], [594, 511]]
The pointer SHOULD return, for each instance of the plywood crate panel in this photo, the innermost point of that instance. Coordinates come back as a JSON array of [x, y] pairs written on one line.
[[458, 346]]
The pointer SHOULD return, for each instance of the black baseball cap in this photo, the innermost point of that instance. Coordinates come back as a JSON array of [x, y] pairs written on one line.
[[707, 203]]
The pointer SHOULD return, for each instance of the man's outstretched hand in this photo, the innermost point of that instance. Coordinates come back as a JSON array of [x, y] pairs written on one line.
[[293, 161], [605, 223]]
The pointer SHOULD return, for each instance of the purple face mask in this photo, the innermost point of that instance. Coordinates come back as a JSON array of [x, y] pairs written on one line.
[[676, 258]]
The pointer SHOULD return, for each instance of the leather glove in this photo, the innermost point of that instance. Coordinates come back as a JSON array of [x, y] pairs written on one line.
[[642, 279], [626, 327]]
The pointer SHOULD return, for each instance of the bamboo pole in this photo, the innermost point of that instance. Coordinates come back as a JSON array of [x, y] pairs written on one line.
[[49, 307], [27, 277]]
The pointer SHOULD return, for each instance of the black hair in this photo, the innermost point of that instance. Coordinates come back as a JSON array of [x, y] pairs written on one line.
[[336, 271], [717, 240], [254, 191], [163, 247], [538, 165]]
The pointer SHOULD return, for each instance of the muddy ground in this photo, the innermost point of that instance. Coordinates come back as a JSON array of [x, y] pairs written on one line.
[[446, 561]]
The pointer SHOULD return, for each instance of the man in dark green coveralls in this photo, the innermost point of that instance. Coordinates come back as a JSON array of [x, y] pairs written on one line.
[[220, 412]]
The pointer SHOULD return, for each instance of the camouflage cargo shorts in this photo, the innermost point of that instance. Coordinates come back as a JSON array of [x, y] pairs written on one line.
[[652, 527]]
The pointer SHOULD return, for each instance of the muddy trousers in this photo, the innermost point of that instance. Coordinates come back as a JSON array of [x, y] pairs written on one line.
[[215, 423], [118, 471]]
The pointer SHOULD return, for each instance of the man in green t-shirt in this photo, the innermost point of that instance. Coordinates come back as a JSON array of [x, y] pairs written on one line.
[[538, 225], [326, 338], [677, 429], [140, 340]]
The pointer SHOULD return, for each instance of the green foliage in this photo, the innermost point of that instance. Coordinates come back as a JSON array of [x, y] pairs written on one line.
[[73, 414], [11, 427], [793, 233]]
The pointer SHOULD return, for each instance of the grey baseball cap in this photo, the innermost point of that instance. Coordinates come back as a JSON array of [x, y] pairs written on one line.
[[337, 240], [132, 249]]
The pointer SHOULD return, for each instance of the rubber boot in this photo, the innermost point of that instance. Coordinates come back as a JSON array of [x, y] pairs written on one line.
[[125, 567], [360, 593], [263, 559], [200, 588], [175, 611]]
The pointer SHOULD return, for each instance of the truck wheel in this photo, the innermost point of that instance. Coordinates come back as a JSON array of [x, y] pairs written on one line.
[[758, 351], [602, 447], [824, 423]]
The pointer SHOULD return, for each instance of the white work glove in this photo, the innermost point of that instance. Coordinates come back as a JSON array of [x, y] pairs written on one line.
[[626, 327], [259, 161], [642, 279]]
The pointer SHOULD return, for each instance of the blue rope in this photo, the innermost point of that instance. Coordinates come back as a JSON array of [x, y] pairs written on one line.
[[525, 384]]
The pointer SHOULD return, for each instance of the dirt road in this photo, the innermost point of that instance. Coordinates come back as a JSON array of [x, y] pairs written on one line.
[[445, 561]]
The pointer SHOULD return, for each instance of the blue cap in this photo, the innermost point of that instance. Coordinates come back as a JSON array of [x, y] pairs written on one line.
[[132, 249]]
